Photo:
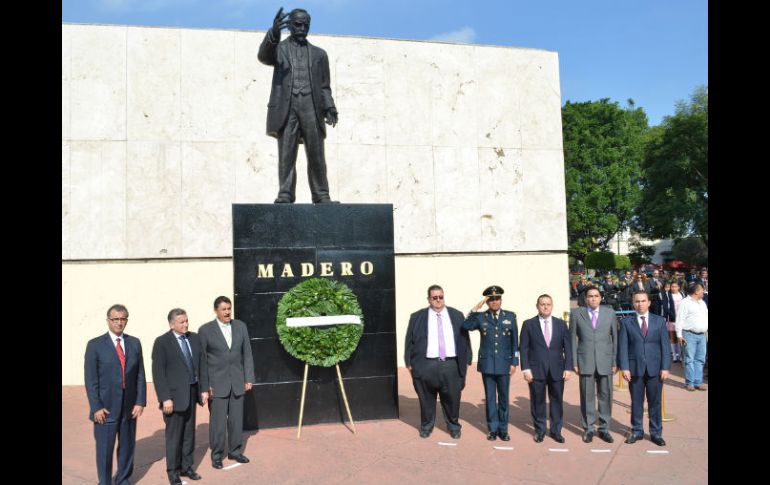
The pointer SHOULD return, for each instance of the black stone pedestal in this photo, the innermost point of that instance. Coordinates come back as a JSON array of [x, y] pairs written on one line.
[[277, 246]]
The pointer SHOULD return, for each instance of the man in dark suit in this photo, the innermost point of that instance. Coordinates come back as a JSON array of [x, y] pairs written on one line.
[[117, 395], [230, 374], [437, 353], [546, 356], [594, 332], [645, 359], [181, 379], [300, 101], [498, 357]]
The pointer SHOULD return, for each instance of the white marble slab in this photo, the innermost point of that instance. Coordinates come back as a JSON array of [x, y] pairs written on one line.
[[98, 83], [154, 199], [97, 227], [154, 79]]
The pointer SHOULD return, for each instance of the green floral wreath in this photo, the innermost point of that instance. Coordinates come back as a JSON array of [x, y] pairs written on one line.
[[322, 346]]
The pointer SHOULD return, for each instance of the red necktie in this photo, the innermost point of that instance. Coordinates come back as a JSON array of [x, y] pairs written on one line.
[[644, 326], [122, 358]]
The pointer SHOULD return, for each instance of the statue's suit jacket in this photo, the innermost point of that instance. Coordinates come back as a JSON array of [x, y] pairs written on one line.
[[275, 53]]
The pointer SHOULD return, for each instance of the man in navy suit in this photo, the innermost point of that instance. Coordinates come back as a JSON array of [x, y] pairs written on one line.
[[645, 359], [546, 357], [117, 395], [180, 376], [437, 353]]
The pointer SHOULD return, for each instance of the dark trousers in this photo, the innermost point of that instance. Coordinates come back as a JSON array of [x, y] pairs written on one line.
[[226, 417], [442, 378], [537, 390], [652, 386], [596, 387], [496, 392], [180, 436], [124, 429], [302, 122]]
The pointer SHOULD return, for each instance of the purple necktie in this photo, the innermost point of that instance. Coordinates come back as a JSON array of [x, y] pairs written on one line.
[[441, 344], [644, 326], [547, 334], [594, 317]]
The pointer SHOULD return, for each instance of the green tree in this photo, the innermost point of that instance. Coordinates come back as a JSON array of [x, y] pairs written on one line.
[[640, 253], [603, 151], [675, 174], [691, 250]]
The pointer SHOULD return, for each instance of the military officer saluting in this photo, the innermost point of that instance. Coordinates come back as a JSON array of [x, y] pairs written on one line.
[[498, 357]]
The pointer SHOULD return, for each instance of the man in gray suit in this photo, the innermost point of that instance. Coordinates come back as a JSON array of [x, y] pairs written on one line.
[[595, 337], [230, 374], [300, 101]]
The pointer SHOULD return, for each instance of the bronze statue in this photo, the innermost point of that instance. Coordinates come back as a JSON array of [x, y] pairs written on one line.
[[300, 101]]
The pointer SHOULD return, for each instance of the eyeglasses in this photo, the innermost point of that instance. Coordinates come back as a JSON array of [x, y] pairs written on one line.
[[116, 320], [493, 298], [436, 298]]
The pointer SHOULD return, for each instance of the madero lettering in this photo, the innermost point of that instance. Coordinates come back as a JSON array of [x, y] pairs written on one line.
[[306, 270]]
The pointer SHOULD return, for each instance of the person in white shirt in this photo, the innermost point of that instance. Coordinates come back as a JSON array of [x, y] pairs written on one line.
[[692, 323]]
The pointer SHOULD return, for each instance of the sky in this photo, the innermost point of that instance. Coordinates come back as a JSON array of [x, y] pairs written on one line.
[[652, 51]]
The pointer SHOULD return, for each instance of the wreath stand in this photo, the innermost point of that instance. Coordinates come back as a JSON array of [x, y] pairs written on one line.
[[302, 401]]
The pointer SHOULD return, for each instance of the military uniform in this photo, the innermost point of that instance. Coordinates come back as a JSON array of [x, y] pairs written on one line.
[[498, 351]]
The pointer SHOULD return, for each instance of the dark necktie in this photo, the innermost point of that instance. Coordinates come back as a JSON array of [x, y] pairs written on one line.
[[644, 326], [187, 358], [122, 358]]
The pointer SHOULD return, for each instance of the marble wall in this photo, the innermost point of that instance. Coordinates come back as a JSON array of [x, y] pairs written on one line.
[[164, 128]]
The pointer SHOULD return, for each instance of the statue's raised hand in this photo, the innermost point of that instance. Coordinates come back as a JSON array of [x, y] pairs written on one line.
[[279, 22]]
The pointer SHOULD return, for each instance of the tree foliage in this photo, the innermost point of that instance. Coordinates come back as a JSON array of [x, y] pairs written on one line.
[[675, 173], [603, 151], [691, 250]]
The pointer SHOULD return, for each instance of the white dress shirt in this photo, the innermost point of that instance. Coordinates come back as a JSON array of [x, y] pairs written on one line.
[[446, 325]]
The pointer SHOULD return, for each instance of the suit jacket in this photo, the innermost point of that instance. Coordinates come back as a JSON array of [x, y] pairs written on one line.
[[275, 53], [228, 369], [169, 371], [499, 344], [667, 306], [594, 350], [651, 353], [104, 380], [539, 358], [417, 341]]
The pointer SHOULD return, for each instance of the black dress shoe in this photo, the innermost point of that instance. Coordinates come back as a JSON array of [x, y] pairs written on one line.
[[606, 436], [190, 474], [588, 436], [216, 464], [557, 437], [281, 200], [504, 436], [174, 479], [491, 436], [424, 434], [632, 438], [238, 458], [539, 437], [658, 440], [455, 434]]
